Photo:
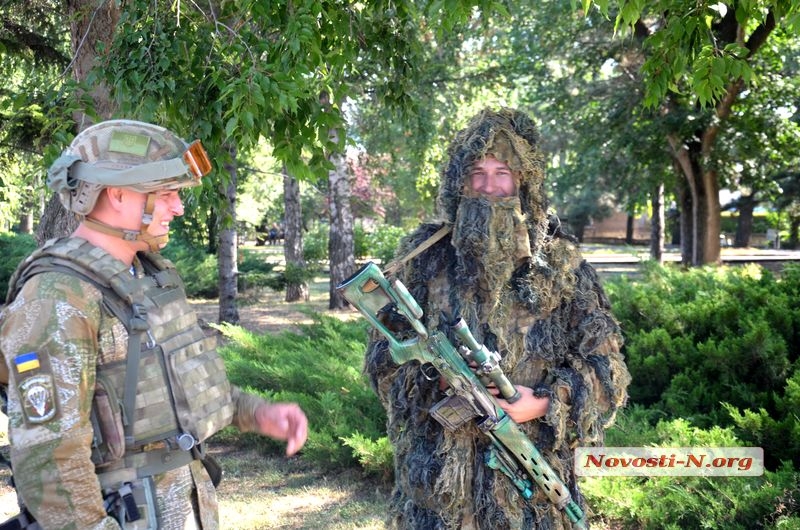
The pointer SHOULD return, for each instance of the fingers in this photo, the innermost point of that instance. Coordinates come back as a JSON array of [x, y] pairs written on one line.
[[527, 408], [297, 432], [284, 421]]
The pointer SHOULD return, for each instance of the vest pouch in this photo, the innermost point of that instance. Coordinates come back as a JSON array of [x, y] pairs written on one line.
[[153, 418], [134, 505], [199, 383], [109, 433]]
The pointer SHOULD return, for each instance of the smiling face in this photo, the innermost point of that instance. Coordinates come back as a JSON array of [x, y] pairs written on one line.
[[167, 206], [132, 215], [492, 177]]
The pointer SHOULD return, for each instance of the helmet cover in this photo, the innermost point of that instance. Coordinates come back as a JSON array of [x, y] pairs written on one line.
[[99, 153]]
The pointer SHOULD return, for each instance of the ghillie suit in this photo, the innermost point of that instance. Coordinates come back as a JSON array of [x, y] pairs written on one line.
[[524, 290]]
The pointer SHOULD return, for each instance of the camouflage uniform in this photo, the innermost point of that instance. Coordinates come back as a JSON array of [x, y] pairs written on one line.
[[524, 290], [64, 320], [87, 418]]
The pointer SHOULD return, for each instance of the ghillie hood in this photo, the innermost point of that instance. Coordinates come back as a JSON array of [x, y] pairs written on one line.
[[511, 137]]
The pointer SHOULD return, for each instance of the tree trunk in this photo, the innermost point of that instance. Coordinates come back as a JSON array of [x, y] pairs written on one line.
[[293, 237], [228, 247], [341, 245], [794, 232], [686, 220], [577, 226], [56, 221], [704, 206], [629, 230], [657, 225], [213, 230], [711, 220], [91, 24], [744, 224], [25, 225]]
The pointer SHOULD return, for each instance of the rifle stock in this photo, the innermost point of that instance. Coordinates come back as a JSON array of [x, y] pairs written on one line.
[[467, 399]]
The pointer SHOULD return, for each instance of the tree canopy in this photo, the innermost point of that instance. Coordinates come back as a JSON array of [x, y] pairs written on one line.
[[628, 95]]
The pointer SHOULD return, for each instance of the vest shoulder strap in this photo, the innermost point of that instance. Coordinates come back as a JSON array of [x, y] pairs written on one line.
[[92, 264]]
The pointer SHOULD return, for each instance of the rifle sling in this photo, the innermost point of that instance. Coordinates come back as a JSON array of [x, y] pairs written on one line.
[[392, 268]]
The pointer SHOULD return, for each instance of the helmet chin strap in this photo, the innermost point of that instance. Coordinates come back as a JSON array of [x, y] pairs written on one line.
[[154, 242]]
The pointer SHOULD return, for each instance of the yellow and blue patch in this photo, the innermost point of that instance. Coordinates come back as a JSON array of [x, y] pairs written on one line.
[[26, 361]]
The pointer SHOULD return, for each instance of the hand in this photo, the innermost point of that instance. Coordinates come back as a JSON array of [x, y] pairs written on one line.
[[284, 421], [526, 408]]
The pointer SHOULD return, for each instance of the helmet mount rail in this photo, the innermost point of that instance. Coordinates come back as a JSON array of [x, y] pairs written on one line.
[[194, 163]]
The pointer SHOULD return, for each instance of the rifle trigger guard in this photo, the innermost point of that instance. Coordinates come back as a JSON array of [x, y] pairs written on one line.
[[429, 371]]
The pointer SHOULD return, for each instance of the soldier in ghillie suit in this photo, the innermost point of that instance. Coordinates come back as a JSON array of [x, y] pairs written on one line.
[[501, 262], [112, 385]]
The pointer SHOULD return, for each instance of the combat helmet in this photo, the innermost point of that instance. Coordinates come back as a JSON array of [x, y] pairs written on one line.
[[126, 154]]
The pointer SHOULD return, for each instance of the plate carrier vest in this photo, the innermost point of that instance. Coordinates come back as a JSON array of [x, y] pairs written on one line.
[[174, 389]]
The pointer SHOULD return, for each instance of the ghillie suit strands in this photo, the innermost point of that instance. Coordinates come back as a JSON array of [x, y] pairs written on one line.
[[524, 290]]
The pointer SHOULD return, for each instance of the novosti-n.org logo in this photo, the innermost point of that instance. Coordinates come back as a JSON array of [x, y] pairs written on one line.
[[669, 461]]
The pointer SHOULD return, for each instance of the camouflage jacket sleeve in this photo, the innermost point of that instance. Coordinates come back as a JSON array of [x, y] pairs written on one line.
[[244, 418], [49, 340]]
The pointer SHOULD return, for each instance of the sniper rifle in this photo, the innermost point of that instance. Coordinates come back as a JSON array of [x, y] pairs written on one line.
[[512, 452]]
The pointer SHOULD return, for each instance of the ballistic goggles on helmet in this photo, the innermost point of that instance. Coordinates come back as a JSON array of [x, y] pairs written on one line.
[[180, 172]]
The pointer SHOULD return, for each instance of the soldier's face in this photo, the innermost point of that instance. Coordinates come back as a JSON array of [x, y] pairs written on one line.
[[167, 205], [492, 177]]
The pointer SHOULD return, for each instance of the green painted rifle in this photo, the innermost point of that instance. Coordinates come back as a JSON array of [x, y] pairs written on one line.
[[468, 398]]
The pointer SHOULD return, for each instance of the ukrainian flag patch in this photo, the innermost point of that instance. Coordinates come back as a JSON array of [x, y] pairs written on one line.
[[26, 362]]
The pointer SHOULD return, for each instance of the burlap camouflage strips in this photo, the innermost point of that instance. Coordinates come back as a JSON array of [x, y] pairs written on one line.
[[542, 307]]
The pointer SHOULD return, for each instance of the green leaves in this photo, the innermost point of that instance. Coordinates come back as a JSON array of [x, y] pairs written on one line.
[[320, 369], [698, 50], [700, 339]]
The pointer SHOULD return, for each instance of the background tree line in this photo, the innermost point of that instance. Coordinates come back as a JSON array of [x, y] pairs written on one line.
[[641, 105]]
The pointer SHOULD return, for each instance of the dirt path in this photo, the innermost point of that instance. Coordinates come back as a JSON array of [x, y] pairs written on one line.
[[266, 311]]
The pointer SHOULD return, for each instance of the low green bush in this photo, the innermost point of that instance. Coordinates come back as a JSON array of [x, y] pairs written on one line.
[[197, 268], [734, 502], [321, 370], [378, 244], [315, 243], [706, 343], [14, 247], [383, 242], [256, 272]]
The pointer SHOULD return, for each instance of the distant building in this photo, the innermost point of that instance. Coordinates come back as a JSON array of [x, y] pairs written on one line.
[[613, 229]]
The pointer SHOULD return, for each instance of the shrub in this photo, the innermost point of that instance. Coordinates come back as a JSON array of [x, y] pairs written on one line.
[[255, 272], [321, 370], [736, 502], [197, 268], [777, 432], [383, 242], [315, 243], [374, 456], [703, 343], [15, 248]]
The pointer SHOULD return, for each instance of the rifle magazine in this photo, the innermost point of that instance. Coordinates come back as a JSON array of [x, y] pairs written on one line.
[[453, 412]]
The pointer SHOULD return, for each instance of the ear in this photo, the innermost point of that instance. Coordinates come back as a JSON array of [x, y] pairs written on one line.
[[114, 196]]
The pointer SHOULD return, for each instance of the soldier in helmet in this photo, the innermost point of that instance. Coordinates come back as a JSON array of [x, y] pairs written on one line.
[[112, 385], [500, 261]]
